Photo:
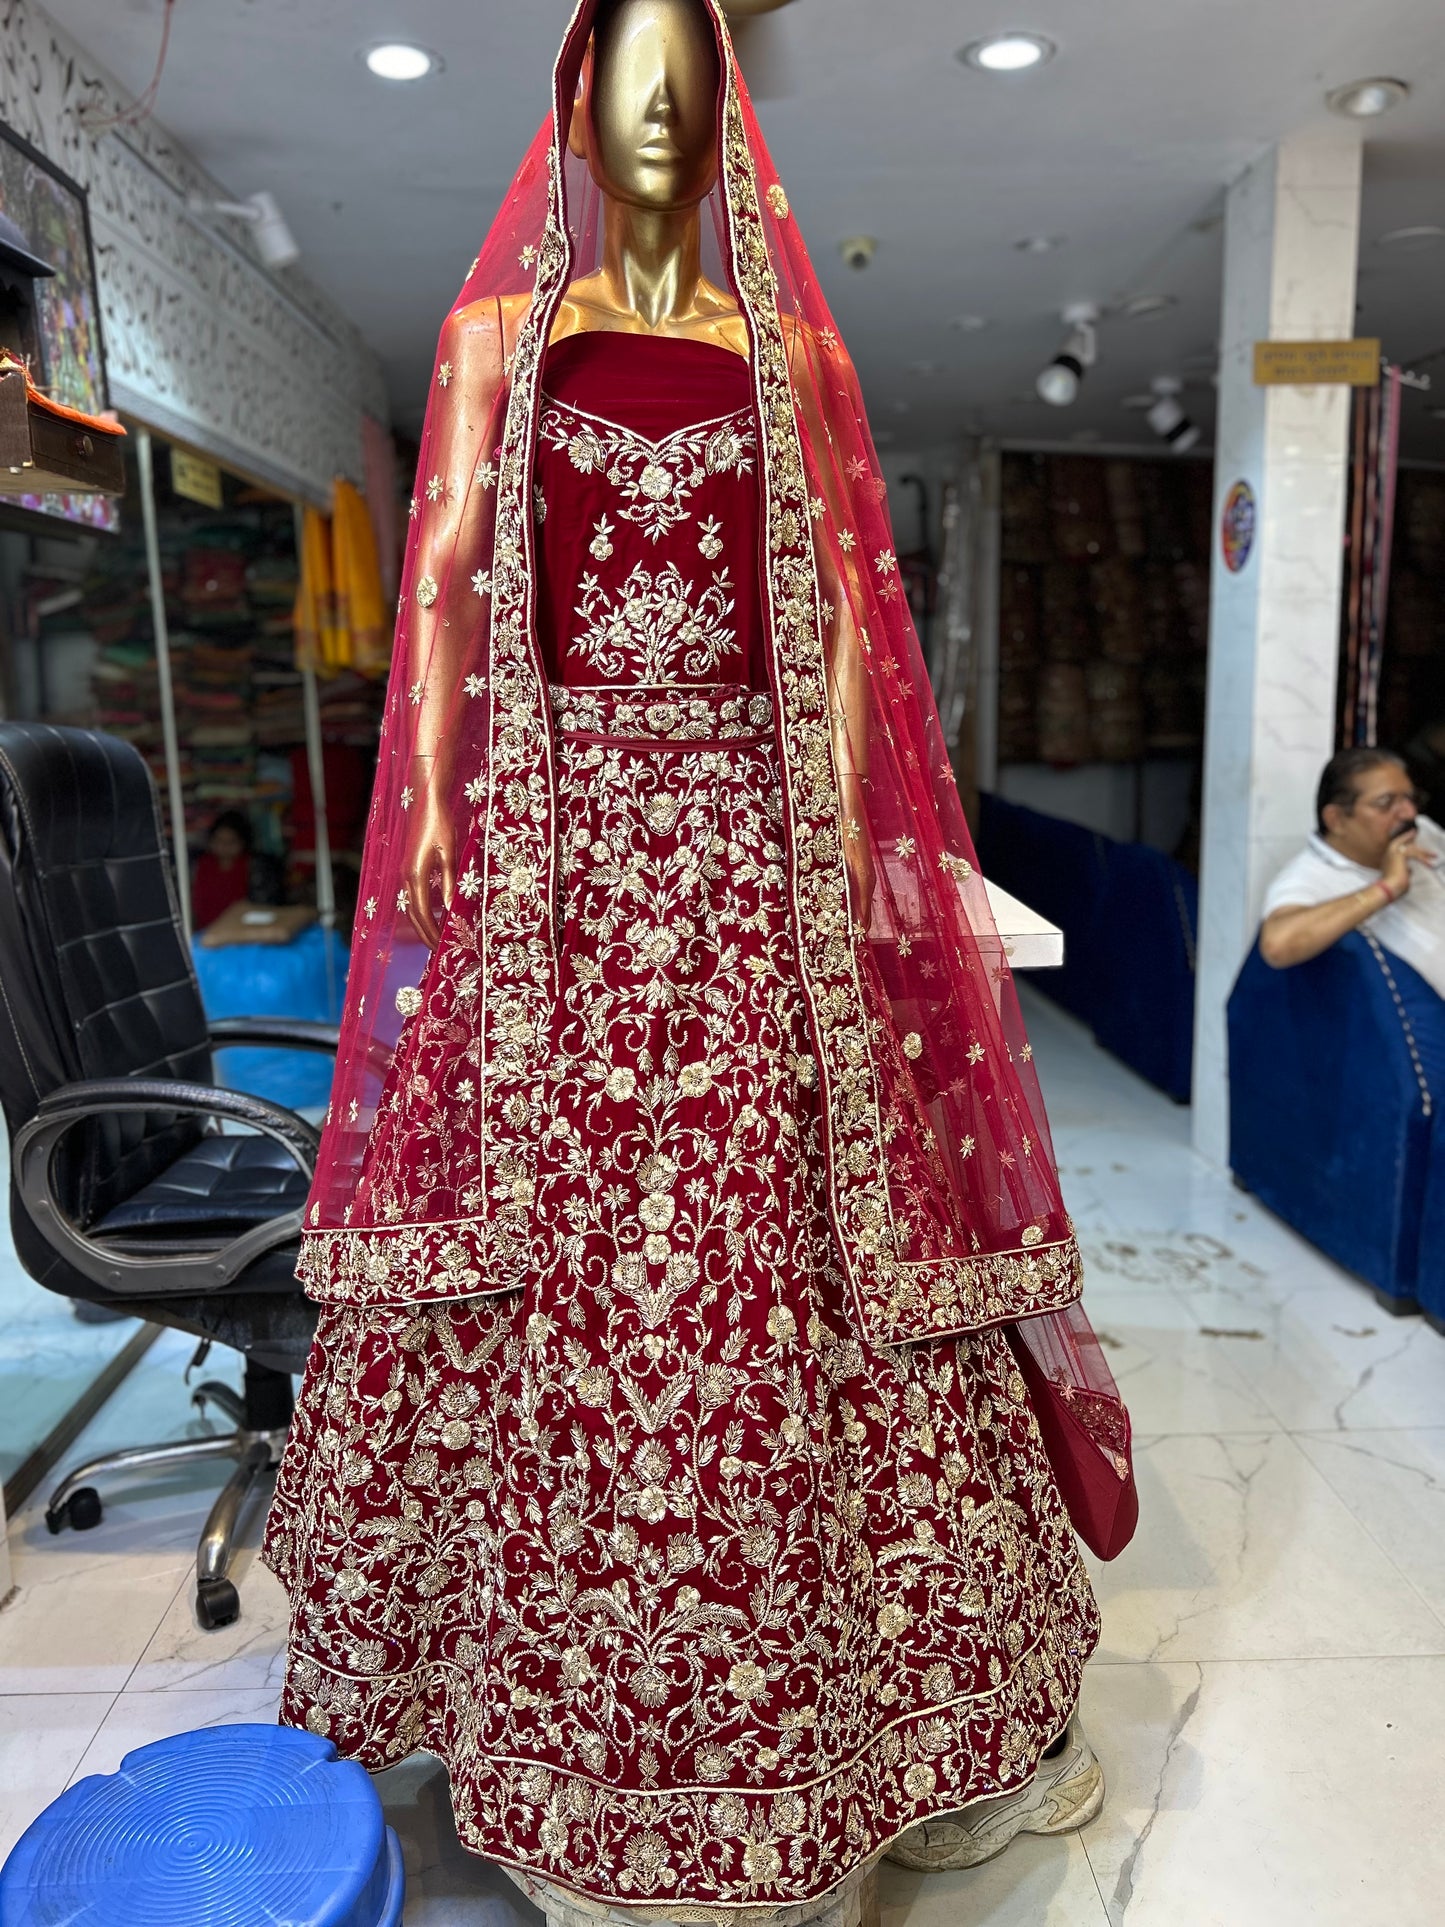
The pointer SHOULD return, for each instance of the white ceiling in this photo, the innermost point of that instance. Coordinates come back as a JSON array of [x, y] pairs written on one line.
[[1122, 145]]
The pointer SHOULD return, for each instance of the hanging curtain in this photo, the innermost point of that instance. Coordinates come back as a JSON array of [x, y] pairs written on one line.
[[1373, 469]]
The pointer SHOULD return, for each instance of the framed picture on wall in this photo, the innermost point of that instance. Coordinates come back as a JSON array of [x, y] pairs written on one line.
[[46, 217]]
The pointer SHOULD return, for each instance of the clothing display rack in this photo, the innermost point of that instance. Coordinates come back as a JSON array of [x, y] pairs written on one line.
[[1104, 608]]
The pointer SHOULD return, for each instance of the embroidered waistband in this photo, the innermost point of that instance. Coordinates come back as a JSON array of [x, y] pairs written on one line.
[[663, 712]]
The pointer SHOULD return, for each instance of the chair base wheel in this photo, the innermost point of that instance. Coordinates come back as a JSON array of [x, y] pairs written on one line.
[[217, 1603], [82, 1511]]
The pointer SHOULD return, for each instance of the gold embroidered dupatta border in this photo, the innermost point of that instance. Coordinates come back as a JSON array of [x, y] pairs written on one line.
[[896, 1298]]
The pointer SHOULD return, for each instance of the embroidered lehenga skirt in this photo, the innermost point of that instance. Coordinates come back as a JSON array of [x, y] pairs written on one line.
[[700, 1599]]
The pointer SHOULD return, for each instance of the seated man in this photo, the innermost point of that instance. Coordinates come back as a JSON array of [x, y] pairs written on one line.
[[1374, 861]]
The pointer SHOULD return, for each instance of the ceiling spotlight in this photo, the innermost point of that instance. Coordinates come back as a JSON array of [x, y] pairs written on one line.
[[1366, 99], [1059, 382], [1167, 417], [858, 250], [274, 240], [401, 60], [1007, 53]]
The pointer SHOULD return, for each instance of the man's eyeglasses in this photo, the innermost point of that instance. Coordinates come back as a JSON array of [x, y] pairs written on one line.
[[1390, 800]]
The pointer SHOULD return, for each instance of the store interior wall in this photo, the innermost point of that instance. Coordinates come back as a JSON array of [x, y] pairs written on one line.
[[255, 367]]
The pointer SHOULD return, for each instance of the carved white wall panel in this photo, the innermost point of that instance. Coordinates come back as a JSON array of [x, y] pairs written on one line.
[[202, 342]]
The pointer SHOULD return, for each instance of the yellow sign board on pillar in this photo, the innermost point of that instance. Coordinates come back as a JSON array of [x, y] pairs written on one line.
[[193, 477], [1307, 364]]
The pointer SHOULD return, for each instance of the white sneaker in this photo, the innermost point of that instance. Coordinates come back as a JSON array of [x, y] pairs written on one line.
[[1066, 1793]]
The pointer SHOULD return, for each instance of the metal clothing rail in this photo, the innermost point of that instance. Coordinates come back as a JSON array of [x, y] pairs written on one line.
[[180, 850]]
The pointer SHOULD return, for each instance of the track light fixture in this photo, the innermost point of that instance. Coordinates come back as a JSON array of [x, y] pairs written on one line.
[[274, 240], [1059, 382], [1167, 417]]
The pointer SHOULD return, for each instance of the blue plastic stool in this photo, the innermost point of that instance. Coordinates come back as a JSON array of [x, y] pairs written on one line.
[[229, 1827]]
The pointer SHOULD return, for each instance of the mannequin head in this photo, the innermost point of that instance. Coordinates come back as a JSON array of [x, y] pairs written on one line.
[[646, 122]]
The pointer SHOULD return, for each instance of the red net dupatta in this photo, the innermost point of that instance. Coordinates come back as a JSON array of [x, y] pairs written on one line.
[[942, 1186]]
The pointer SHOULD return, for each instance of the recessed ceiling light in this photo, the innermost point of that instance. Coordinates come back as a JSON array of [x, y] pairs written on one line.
[[1039, 243], [1412, 240], [968, 324], [1365, 99], [401, 60], [1007, 53]]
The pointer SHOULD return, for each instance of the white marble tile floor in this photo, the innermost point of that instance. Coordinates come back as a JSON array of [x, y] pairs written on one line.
[[48, 1358], [1269, 1696]]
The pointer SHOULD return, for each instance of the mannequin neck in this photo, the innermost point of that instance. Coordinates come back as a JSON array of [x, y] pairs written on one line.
[[652, 261]]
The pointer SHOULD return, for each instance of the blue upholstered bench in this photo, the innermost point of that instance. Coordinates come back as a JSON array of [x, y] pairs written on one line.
[[1336, 1089], [228, 1827], [1129, 916]]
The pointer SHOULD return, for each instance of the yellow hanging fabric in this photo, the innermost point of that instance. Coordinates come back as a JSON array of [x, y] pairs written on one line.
[[318, 641], [362, 617]]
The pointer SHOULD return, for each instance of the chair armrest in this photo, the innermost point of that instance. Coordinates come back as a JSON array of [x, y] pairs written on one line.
[[128, 1273], [293, 1033]]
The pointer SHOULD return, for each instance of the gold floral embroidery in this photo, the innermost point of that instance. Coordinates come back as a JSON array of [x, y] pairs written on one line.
[[655, 628], [656, 480], [710, 1708]]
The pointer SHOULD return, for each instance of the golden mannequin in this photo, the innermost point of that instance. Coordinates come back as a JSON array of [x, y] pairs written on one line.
[[645, 122]]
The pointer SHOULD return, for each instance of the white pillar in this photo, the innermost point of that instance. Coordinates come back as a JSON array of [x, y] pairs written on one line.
[[1290, 257]]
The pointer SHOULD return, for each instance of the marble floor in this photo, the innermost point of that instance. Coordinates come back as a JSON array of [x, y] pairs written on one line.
[[1269, 1697], [48, 1359]]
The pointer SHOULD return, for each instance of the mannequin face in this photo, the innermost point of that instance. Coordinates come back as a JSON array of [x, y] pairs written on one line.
[[649, 113]]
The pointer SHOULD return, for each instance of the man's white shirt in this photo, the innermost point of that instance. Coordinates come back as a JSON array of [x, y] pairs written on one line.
[[1413, 928]]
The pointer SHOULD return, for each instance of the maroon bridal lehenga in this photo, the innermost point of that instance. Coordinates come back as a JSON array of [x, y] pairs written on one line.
[[664, 1464]]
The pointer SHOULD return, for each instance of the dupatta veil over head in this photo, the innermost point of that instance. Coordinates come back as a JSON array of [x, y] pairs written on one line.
[[942, 1187]]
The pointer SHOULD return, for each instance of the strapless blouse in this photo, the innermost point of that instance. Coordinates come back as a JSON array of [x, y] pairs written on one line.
[[647, 497]]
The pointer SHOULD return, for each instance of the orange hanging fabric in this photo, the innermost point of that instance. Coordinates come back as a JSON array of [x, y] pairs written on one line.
[[362, 619], [318, 644]]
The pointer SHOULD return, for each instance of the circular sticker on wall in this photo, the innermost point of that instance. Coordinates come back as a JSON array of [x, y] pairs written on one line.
[[1236, 527]]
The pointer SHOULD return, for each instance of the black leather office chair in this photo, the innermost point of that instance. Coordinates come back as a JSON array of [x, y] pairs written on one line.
[[124, 1190]]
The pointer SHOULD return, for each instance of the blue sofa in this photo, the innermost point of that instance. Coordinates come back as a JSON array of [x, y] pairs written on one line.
[[1129, 915], [1336, 1084]]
